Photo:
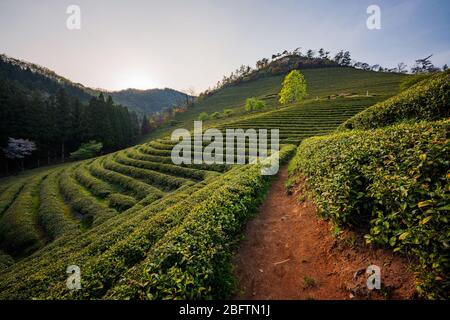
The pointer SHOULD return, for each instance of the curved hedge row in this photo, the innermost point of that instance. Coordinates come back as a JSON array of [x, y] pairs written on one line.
[[82, 201], [169, 169], [193, 260], [96, 186], [160, 180], [5, 260], [396, 180], [19, 234], [137, 188], [427, 100], [53, 214], [138, 155], [47, 268], [8, 195], [121, 202]]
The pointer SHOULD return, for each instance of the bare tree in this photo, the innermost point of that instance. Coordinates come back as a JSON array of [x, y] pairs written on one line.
[[401, 67], [424, 66]]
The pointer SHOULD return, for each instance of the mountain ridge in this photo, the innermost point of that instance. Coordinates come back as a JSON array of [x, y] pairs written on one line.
[[35, 77]]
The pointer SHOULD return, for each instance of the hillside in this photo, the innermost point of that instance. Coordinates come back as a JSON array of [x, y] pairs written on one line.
[[134, 217], [388, 177], [145, 102], [322, 82], [33, 77]]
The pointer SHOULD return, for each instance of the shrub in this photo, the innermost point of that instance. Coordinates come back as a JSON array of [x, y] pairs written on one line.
[[410, 81], [54, 215], [428, 100], [18, 233], [203, 116], [216, 115], [121, 202], [5, 260], [253, 104], [138, 188], [87, 150], [96, 186], [151, 177], [8, 195], [227, 112], [162, 167], [394, 182], [193, 261], [81, 201]]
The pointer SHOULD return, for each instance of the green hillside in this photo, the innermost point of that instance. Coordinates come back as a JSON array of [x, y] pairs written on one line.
[[389, 176], [33, 77], [139, 226], [321, 83]]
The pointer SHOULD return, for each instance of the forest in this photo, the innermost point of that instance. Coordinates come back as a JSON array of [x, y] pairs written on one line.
[[57, 124]]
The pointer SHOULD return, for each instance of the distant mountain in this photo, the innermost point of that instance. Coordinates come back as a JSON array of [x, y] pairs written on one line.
[[33, 77], [148, 101]]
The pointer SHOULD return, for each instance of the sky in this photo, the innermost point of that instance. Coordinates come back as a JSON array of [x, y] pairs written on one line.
[[185, 44]]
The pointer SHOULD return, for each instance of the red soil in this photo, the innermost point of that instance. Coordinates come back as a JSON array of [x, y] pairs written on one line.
[[289, 253]]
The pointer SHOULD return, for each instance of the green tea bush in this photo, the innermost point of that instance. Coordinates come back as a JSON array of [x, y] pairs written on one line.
[[427, 100], [138, 188], [54, 216], [164, 168], [394, 182], [5, 260], [43, 274], [163, 181], [121, 202], [82, 201], [8, 195], [193, 260], [136, 154], [410, 81], [18, 233], [96, 186]]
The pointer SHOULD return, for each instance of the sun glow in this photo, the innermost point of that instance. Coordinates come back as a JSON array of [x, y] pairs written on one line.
[[136, 81]]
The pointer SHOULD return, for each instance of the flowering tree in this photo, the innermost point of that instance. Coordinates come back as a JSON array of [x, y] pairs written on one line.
[[19, 149]]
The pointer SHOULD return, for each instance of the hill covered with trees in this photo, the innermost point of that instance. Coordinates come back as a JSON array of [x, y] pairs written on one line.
[[151, 101], [33, 77]]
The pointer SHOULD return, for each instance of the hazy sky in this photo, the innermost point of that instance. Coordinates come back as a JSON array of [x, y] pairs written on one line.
[[179, 44]]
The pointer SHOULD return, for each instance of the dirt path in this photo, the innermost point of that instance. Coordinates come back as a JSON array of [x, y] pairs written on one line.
[[288, 253]]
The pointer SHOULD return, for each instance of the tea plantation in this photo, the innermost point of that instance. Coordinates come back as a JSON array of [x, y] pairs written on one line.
[[139, 226], [390, 177]]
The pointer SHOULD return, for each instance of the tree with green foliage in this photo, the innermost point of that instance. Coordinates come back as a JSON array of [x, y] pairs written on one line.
[[87, 150], [203, 116], [227, 112], [145, 127], [215, 115], [253, 104], [294, 88], [60, 123]]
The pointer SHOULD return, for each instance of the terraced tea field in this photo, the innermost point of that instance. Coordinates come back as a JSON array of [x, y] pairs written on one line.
[[139, 226], [305, 120]]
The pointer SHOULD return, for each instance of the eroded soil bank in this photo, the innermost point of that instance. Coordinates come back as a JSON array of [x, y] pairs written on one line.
[[289, 253]]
